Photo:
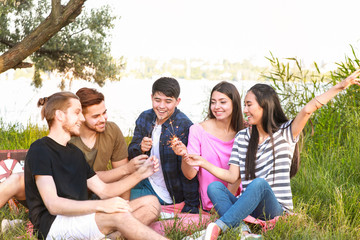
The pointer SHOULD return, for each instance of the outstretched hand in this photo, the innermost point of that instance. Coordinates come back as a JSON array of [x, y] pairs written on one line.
[[137, 162], [350, 80], [195, 160], [148, 167]]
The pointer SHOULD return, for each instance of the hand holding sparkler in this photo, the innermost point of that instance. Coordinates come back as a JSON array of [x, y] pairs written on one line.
[[146, 144], [179, 148]]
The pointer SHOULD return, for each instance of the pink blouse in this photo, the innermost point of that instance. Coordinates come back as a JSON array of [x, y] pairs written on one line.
[[214, 151]]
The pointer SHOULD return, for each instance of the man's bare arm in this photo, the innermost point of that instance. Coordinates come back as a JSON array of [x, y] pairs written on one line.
[[63, 206]]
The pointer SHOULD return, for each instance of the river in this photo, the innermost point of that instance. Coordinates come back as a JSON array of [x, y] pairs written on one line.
[[125, 99]]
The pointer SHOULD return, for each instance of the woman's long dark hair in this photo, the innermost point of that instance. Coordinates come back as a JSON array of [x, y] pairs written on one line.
[[273, 117], [229, 89]]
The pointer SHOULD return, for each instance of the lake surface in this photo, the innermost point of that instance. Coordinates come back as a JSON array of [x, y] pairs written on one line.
[[124, 99]]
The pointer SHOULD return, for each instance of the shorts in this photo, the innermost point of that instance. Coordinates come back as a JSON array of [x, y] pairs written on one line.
[[74, 227]]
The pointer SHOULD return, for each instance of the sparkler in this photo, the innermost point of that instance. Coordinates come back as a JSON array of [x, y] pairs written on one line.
[[149, 134], [173, 137]]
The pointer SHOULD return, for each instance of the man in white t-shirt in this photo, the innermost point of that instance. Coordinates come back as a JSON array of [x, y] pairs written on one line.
[[155, 129]]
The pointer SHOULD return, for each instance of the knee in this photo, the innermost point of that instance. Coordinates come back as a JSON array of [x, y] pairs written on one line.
[[152, 202], [16, 180], [259, 183], [214, 187]]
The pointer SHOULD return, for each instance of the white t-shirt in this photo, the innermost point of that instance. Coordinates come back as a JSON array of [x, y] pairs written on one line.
[[157, 179]]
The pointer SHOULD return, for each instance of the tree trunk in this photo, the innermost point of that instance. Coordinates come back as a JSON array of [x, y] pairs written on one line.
[[59, 17]]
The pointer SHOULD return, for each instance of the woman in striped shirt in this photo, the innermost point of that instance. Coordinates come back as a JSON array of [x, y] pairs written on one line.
[[264, 156]]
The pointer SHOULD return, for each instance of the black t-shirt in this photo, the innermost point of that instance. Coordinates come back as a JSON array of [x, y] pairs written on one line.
[[67, 166]]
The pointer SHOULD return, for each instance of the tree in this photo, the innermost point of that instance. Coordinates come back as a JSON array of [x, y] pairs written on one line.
[[55, 38]]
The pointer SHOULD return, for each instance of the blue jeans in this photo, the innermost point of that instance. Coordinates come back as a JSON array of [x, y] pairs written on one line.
[[144, 188], [258, 200]]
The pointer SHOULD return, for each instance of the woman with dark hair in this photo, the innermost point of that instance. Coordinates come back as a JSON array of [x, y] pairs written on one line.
[[263, 157], [213, 138]]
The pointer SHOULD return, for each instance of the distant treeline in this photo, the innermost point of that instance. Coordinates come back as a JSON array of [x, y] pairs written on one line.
[[193, 68]]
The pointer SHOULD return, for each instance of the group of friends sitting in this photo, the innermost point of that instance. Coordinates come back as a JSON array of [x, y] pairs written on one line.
[[236, 167]]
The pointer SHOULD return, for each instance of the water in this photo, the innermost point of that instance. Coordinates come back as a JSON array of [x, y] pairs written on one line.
[[125, 99]]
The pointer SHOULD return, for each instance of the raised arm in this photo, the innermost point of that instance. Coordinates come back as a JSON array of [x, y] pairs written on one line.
[[303, 116]]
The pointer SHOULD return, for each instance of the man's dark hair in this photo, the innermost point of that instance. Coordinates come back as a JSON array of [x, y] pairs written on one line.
[[168, 86], [89, 97]]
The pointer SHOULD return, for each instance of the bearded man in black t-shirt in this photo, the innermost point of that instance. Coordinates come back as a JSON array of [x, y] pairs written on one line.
[[57, 178]]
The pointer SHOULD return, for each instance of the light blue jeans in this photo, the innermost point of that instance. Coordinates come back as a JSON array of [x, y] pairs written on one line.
[[258, 200]]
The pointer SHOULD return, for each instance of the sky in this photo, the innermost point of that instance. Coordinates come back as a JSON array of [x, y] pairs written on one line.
[[310, 30]]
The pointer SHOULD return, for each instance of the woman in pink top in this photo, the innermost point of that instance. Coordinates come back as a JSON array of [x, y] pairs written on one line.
[[213, 138]]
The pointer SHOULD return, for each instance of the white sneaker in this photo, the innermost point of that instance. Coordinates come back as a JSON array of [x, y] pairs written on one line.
[[196, 235], [165, 215], [6, 224], [250, 236]]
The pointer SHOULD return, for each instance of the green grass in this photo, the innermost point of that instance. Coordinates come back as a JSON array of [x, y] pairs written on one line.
[[17, 136], [326, 190]]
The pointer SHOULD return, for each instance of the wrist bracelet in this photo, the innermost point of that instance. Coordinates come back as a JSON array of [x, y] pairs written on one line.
[[319, 101]]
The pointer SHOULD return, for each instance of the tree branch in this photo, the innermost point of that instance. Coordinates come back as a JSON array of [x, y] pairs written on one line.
[[40, 35], [56, 9], [23, 65], [75, 33]]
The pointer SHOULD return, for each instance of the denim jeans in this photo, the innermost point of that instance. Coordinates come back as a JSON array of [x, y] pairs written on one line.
[[258, 200], [144, 188]]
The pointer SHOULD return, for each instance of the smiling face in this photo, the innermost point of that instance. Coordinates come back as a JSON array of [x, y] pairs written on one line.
[[221, 106], [96, 117], [252, 109], [163, 106], [73, 118]]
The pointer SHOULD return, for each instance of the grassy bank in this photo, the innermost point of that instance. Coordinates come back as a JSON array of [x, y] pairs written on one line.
[[326, 190], [17, 136]]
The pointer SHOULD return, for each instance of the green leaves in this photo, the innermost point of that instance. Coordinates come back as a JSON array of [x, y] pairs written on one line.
[[81, 49]]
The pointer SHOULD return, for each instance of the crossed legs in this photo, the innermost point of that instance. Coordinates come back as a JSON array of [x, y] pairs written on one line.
[[132, 225]]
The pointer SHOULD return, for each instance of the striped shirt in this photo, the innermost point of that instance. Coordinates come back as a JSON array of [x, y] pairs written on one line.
[[278, 177]]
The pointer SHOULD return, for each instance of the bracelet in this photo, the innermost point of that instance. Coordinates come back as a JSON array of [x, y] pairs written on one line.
[[319, 101]]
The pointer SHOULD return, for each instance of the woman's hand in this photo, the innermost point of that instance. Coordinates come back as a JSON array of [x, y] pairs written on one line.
[[350, 80], [195, 160]]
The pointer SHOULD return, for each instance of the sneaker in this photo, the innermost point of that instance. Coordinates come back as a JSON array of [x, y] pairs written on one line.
[[212, 232], [6, 224], [196, 236], [165, 215], [250, 236]]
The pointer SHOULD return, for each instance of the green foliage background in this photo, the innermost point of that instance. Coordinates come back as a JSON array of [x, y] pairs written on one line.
[[81, 50]]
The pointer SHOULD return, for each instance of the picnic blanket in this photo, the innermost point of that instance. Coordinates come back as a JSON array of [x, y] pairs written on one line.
[[189, 222]]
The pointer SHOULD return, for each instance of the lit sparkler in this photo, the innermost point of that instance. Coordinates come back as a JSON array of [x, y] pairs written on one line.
[[173, 138]]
